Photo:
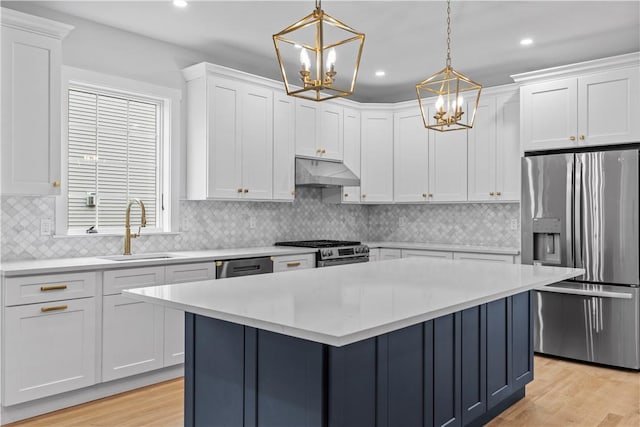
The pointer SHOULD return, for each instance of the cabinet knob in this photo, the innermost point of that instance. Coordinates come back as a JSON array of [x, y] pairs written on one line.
[[364, 196], [323, 151], [498, 193], [346, 194], [239, 190], [430, 194], [581, 137], [56, 183], [491, 193], [318, 151], [424, 195], [246, 190], [572, 138], [293, 193]]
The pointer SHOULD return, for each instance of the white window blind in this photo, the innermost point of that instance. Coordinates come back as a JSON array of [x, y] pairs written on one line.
[[114, 155]]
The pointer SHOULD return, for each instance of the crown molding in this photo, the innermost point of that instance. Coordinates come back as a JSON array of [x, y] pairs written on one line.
[[581, 68], [34, 24]]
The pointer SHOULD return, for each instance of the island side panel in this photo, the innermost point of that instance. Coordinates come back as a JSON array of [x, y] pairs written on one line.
[[352, 384]]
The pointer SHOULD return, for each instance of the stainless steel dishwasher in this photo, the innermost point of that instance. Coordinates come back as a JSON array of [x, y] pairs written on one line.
[[243, 267]]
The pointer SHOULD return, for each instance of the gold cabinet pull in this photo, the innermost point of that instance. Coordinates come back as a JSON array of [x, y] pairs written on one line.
[[323, 151], [424, 195], [498, 193], [239, 190], [318, 151], [430, 194], [219, 263], [54, 308], [293, 193], [364, 196], [56, 183], [572, 138], [246, 190], [293, 264], [491, 193], [581, 137], [52, 288], [346, 194]]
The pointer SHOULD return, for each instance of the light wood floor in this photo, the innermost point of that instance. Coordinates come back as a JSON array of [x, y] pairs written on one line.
[[562, 394]]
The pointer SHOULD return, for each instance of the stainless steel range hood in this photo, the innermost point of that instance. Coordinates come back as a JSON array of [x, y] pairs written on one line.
[[324, 173]]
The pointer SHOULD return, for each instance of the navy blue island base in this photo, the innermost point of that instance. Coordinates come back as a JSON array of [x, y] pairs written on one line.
[[457, 370]]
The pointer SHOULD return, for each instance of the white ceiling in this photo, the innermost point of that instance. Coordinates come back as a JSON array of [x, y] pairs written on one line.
[[404, 38]]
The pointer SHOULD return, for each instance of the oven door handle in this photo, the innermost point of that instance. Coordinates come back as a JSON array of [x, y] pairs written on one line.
[[342, 261]]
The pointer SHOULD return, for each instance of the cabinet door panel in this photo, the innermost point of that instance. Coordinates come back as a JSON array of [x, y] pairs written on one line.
[[30, 113], [447, 409], [225, 156], [522, 320], [132, 337], [508, 147], [331, 132], [115, 281], [499, 358], [352, 152], [307, 128], [257, 143], [474, 363], [609, 107], [190, 272], [448, 166], [173, 336], [48, 352], [549, 114], [482, 152], [377, 157], [411, 157], [284, 147]]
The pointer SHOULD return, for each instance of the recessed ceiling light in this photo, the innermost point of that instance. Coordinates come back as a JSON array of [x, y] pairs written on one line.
[[380, 73], [180, 3], [526, 42]]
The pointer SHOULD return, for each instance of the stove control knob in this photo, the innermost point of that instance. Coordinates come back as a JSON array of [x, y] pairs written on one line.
[[358, 250], [365, 249]]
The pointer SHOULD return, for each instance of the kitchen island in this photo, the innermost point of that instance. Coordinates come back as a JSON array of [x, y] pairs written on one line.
[[409, 342]]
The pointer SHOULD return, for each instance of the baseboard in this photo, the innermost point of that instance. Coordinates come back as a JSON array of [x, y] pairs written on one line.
[[10, 414]]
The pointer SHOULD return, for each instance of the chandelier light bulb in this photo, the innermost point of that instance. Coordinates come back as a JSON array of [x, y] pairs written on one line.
[[440, 103], [305, 60], [180, 3], [331, 60]]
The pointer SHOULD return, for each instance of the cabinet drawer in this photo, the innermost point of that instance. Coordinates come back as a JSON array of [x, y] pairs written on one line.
[[190, 272], [115, 281], [483, 257], [412, 253], [49, 287], [49, 349], [293, 262]]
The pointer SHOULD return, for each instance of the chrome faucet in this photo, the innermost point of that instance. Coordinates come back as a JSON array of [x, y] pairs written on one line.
[[127, 224]]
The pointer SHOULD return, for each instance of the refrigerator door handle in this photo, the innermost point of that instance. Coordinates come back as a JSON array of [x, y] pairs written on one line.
[[577, 213], [587, 293]]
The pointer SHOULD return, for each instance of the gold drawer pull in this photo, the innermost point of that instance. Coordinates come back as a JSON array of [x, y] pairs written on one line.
[[498, 193], [346, 194], [246, 190], [54, 308], [491, 193], [581, 137], [323, 151], [293, 264], [239, 190], [52, 288], [572, 138], [56, 184]]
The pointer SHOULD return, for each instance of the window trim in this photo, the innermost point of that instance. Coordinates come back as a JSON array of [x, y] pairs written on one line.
[[169, 141]]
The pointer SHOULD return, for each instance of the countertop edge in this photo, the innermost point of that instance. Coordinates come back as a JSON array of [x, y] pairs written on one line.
[[350, 338]]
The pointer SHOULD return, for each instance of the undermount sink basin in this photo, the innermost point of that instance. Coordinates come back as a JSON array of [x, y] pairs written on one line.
[[137, 257]]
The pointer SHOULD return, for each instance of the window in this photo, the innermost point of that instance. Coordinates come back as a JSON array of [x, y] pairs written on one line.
[[116, 149]]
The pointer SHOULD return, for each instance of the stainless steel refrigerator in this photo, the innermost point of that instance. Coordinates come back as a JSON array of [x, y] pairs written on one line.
[[581, 210]]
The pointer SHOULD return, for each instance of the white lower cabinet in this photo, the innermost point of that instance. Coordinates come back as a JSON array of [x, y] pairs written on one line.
[[374, 254], [132, 336], [173, 336], [49, 348], [293, 262], [387, 254], [469, 256], [413, 253]]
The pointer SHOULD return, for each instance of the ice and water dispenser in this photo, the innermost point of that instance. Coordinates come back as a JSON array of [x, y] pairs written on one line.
[[546, 240]]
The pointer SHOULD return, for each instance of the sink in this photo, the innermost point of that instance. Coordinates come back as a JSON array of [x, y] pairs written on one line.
[[137, 257]]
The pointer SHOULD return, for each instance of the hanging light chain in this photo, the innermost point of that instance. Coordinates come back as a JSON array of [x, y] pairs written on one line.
[[448, 33]]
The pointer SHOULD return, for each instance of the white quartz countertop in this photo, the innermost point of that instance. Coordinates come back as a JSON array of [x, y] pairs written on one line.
[[445, 247], [344, 304], [62, 265]]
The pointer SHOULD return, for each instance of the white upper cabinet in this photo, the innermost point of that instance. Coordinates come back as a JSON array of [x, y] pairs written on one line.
[[597, 105], [31, 103], [377, 157], [609, 107], [352, 152], [319, 130], [494, 150], [284, 147], [447, 165], [229, 137], [411, 157]]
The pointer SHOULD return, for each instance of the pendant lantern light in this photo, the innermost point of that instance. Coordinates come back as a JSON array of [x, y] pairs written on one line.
[[452, 89], [319, 56]]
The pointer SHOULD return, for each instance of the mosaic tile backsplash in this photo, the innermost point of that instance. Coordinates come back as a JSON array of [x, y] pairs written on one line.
[[217, 224]]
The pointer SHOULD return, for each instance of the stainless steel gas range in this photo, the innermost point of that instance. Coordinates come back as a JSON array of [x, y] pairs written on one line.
[[333, 252]]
